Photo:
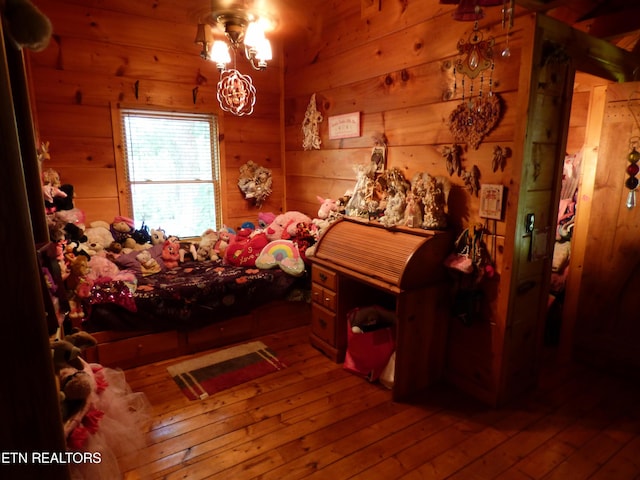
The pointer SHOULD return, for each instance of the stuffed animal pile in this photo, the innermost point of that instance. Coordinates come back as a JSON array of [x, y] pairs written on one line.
[[100, 413]]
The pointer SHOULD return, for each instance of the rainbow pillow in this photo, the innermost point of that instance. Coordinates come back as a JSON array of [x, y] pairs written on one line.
[[283, 254]]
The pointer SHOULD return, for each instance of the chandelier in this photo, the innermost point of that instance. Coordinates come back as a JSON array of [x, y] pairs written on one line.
[[244, 32]]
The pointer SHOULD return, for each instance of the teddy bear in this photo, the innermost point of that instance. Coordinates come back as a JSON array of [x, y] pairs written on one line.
[[74, 383], [78, 285], [99, 237], [148, 264], [114, 250], [225, 237], [206, 246], [65, 353], [26, 25], [130, 245], [171, 254], [121, 229], [78, 270], [187, 250], [284, 226]]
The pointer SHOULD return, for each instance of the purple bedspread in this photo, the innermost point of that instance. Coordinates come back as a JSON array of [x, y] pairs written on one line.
[[192, 295]]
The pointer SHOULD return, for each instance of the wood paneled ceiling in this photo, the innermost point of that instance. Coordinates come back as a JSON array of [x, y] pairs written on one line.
[[617, 21]]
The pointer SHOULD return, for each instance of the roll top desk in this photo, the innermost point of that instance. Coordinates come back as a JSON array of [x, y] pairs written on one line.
[[359, 263]]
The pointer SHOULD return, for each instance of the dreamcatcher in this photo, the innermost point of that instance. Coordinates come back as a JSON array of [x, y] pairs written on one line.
[[479, 113]]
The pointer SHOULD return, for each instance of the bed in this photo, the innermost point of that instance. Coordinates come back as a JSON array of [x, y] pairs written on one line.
[[138, 318]]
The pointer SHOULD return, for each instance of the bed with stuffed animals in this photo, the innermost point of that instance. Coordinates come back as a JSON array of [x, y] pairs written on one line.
[[159, 300]]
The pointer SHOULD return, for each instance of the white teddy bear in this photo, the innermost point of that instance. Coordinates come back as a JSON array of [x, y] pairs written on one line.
[[99, 237]]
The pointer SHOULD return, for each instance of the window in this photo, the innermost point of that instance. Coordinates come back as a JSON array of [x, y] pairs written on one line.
[[172, 165]]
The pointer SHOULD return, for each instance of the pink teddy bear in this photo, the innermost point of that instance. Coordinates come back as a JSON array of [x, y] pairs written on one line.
[[285, 225]]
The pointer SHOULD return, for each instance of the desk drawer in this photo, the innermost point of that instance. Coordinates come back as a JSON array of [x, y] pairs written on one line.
[[222, 332], [323, 324], [138, 350], [324, 277], [323, 296]]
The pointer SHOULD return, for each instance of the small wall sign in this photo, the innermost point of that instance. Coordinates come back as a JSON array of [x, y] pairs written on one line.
[[491, 201], [344, 126]]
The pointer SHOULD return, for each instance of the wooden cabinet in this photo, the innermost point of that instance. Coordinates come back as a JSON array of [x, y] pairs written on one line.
[[126, 349], [404, 274], [134, 351], [324, 334]]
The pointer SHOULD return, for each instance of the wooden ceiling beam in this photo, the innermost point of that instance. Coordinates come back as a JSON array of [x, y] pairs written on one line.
[[540, 6], [612, 25], [568, 11], [593, 55]]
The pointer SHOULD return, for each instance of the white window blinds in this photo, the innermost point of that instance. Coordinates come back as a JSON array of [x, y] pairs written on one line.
[[172, 168]]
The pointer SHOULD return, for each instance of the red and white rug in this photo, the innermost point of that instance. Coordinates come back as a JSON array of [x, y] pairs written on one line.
[[200, 377]]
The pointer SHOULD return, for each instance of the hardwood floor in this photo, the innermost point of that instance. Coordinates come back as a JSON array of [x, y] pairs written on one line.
[[313, 420]]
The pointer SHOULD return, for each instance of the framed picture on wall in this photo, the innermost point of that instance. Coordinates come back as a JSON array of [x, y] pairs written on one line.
[[491, 201], [344, 126]]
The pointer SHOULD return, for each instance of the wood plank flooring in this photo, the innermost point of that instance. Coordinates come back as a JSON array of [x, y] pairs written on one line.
[[313, 420]]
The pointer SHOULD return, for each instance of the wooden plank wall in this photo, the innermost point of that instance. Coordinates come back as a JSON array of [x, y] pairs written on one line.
[[607, 330], [388, 66], [393, 65], [99, 52]]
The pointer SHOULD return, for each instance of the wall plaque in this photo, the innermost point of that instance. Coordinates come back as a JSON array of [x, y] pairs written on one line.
[[344, 126]]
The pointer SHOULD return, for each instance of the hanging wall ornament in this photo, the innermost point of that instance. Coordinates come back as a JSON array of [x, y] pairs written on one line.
[[508, 7], [472, 180], [236, 93], [634, 156], [500, 155], [255, 182], [632, 171], [453, 159], [476, 54], [474, 119], [310, 126], [480, 112]]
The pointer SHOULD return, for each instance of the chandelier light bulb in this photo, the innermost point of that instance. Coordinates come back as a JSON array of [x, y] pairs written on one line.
[[264, 52], [220, 54], [254, 35]]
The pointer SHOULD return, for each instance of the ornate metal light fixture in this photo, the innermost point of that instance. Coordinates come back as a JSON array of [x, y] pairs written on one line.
[[243, 31]]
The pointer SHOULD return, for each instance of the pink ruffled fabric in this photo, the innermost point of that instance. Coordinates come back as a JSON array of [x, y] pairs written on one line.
[[113, 423]]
